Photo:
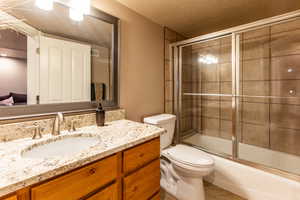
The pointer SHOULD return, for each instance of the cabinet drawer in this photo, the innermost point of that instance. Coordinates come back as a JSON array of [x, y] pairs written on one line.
[[108, 193], [138, 156], [144, 183], [79, 183]]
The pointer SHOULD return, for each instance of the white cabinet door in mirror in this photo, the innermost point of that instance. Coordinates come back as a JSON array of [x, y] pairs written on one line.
[[65, 71], [32, 70]]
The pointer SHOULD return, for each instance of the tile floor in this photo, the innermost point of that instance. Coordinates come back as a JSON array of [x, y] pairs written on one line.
[[213, 192]]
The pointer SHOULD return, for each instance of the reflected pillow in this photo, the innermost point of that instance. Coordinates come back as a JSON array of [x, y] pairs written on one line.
[[7, 102], [4, 97], [19, 98]]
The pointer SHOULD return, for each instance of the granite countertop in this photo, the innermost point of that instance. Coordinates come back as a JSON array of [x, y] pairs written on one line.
[[17, 172]]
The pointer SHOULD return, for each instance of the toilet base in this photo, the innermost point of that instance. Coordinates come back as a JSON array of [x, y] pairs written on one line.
[[191, 189], [169, 197], [181, 187]]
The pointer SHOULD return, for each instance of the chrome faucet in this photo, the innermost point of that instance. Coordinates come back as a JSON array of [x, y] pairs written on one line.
[[59, 119], [73, 125]]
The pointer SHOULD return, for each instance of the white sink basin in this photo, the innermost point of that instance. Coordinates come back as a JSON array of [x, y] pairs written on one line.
[[61, 146]]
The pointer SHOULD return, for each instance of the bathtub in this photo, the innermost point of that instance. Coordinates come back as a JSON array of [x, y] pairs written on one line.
[[246, 181]]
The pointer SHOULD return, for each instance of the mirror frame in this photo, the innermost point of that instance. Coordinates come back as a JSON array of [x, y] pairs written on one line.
[[39, 110]]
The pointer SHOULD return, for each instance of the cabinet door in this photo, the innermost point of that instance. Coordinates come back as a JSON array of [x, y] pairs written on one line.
[[78, 183], [65, 71], [144, 183], [108, 193], [33, 70]]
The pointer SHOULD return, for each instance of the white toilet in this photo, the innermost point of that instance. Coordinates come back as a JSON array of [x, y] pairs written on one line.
[[182, 167]]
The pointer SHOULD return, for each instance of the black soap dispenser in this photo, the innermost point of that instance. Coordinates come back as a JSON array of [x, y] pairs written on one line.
[[100, 115]]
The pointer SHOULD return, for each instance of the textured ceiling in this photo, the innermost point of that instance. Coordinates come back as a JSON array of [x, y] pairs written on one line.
[[196, 17]]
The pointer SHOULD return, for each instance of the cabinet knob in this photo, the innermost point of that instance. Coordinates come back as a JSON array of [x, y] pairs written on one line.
[[142, 155], [135, 189], [92, 171]]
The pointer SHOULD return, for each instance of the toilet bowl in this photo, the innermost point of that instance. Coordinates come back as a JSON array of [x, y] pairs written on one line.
[[182, 167]]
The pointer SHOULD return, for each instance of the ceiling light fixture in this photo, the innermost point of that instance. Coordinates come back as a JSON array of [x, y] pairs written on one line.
[[44, 4], [86, 6], [79, 8], [76, 15]]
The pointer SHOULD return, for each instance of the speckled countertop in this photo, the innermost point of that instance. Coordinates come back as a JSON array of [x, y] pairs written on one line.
[[17, 172]]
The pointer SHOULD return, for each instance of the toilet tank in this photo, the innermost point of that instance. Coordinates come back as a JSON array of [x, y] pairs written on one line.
[[167, 122]]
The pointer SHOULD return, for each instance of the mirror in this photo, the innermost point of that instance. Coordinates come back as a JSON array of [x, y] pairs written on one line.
[[48, 58]]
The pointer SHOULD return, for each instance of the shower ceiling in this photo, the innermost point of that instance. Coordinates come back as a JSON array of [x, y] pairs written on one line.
[[196, 17]]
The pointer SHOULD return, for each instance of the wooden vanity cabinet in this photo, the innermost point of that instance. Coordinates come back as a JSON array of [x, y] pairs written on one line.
[[133, 174]]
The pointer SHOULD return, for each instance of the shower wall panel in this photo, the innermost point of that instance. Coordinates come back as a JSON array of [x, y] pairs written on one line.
[[270, 86]]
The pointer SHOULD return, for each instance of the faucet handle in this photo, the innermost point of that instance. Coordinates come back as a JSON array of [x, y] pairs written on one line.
[[37, 130], [73, 125], [35, 125]]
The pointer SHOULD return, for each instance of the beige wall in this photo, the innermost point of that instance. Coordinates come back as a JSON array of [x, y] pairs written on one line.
[[13, 76], [142, 61], [10, 39]]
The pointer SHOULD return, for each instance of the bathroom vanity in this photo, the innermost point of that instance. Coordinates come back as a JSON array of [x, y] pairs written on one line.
[[119, 167], [69, 68]]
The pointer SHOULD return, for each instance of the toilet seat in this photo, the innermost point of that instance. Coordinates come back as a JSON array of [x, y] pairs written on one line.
[[189, 156]]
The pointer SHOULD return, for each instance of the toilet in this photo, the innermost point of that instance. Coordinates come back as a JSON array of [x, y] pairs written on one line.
[[182, 167]]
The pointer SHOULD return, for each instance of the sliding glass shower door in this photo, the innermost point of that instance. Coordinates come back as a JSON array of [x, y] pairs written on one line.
[[206, 95], [270, 96], [239, 95]]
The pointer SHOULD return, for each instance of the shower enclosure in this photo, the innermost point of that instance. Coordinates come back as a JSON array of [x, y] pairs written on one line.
[[238, 92]]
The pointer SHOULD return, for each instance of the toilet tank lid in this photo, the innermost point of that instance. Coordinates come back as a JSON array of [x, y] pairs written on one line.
[[160, 119]]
